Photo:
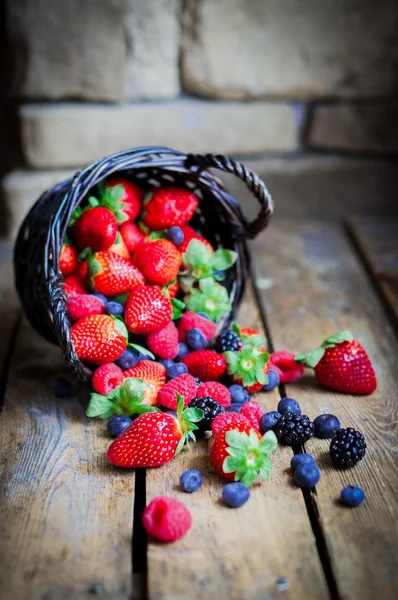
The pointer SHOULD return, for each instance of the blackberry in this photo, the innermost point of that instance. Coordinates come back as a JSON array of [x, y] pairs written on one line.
[[198, 381], [294, 429], [228, 341], [347, 447], [211, 410]]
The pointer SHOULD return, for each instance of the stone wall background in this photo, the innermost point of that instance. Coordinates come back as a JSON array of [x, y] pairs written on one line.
[[304, 91]]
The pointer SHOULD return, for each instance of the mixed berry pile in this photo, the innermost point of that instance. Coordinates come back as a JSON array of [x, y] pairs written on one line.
[[145, 295]]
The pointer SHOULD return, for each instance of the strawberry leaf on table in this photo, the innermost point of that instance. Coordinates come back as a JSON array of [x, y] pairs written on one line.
[[247, 364], [187, 419], [211, 298], [201, 263], [125, 399], [248, 456]]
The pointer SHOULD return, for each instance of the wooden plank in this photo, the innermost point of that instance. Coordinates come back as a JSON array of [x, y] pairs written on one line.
[[236, 554], [9, 305], [66, 515], [316, 287], [377, 240]]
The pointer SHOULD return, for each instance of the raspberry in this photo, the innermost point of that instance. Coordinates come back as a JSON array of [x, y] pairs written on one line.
[[283, 363], [83, 305], [166, 519], [222, 421], [253, 413], [215, 390], [184, 385], [191, 320], [106, 378], [164, 343]]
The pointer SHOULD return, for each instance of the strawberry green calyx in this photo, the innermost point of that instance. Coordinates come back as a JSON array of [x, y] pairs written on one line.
[[202, 263], [177, 306], [85, 254], [141, 350], [249, 456], [125, 399], [312, 358], [248, 364], [211, 298], [94, 268], [158, 235], [112, 198], [187, 418], [120, 327]]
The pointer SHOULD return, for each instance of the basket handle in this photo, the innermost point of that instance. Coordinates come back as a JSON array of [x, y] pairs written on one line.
[[252, 181]]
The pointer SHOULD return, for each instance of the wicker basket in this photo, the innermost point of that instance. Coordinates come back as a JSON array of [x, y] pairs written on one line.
[[219, 218]]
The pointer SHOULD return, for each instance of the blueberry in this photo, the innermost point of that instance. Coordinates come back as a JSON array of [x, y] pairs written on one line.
[[289, 405], [176, 235], [127, 360], [269, 420], [166, 362], [191, 480], [114, 309], [183, 350], [352, 496], [301, 459], [235, 494], [101, 297], [62, 388], [325, 426], [234, 407], [195, 339], [176, 369], [239, 394], [118, 424], [220, 275], [307, 476], [273, 381], [204, 316]]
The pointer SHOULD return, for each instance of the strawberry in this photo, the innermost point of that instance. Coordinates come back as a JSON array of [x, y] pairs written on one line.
[[185, 385], [191, 320], [82, 305], [153, 374], [239, 453], [248, 366], [167, 207], [159, 261], [215, 390], [190, 234], [123, 198], [253, 337], [221, 421], [164, 343], [68, 258], [96, 228], [153, 439], [205, 364], [99, 339], [106, 378], [147, 310], [119, 247], [132, 236], [74, 284], [285, 365], [171, 290], [111, 274], [166, 519], [82, 268], [342, 364]]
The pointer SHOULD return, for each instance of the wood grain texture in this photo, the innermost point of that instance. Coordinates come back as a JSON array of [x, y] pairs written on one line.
[[316, 286], [236, 554], [377, 239], [66, 514], [9, 305]]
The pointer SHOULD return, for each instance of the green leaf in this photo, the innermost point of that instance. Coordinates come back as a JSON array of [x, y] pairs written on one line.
[[223, 259], [231, 464], [237, 439], [75, 215], [338, 338], [268, 442], [100, 407], [141, 349], [121, 328], [197, 254], [193, 414], [311, 359], [178, 308], [248, 477], [120, 298], [158, 235], [93, 201], [180, 445], [266, 468]]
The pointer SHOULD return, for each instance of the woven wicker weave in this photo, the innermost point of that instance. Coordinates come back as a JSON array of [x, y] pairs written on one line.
[[219, 218]]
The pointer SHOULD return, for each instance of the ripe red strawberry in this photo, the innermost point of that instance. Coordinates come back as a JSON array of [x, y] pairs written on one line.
[[111, 274], [82, 269], [248, 366], [147, 310], [159, 261], [166, 207], [123, 198], [225, 419], [96, 228], [166, 519], [119, 247], [153, 374], [74, 284], [99, 339], [215, 390], [284, 364], [191, 320], [253, 413], [164, 343], [342, 364], [190, 234], [172, 289], [106, 378], [82, 305], [205, 364], [68, 258], [154, 438], [132, 236], [239, 453], [185, 385]]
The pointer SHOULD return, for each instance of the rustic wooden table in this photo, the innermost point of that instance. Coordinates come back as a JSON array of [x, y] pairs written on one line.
[[69, 522]]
